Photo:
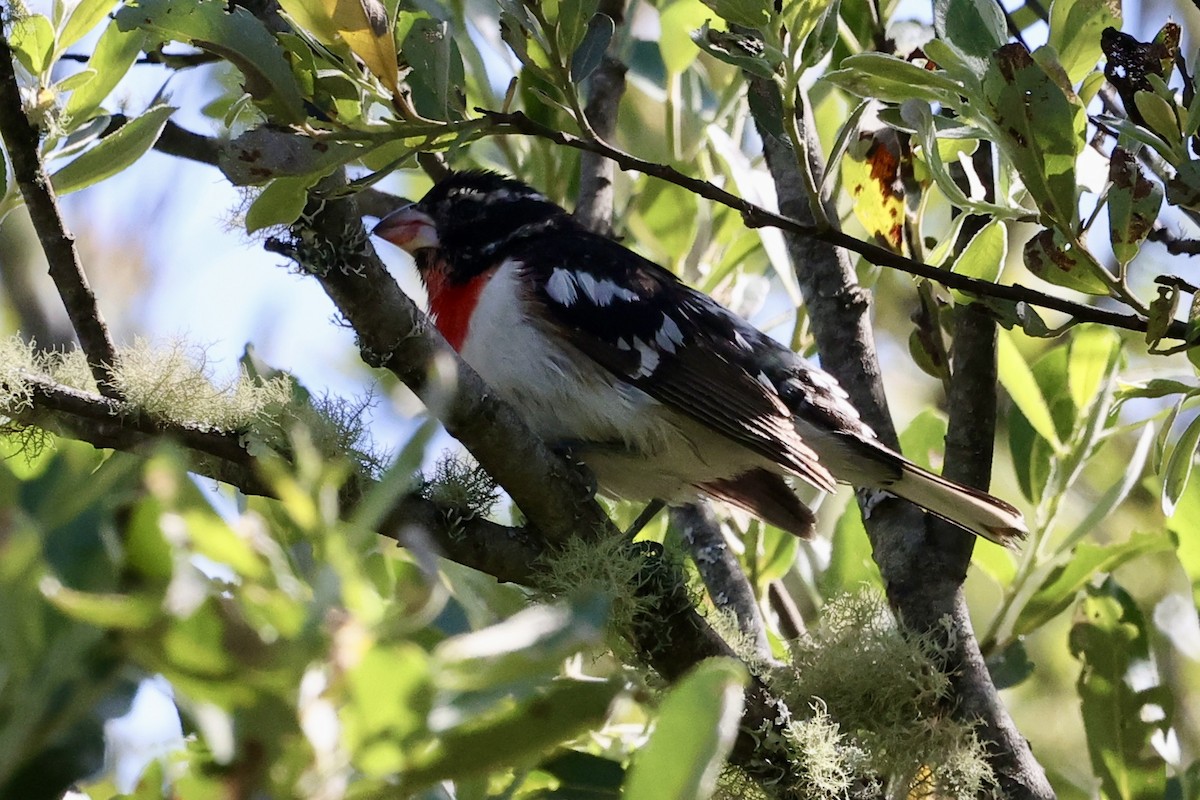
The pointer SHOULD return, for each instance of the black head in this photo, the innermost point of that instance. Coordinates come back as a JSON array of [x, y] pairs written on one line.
[[471, 219]]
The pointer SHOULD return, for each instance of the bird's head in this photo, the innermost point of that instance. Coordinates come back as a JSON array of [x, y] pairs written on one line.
[[467, 221]]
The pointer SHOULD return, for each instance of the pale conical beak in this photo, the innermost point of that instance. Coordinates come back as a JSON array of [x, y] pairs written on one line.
[[408, 228]]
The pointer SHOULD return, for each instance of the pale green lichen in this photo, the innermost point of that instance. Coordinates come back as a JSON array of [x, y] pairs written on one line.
[[884, 691], [174, 382], [461, 487]]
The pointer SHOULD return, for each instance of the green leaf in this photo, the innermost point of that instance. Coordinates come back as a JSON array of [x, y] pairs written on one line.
[[86, 15], [114, 54], [570, 28], [679, 20], [1075, 28], [665, 216], [739, 49], [1159, 116], [1017, 379], [974, 28], [1060, 587], [1040, 129], [32, 41], [1090, 358], [1109, 638], [1053, 258], [526, 647], [437, 75], [893, 80], [117, 611], [1103, 508], [1133, 205], [755, 14], [590, 52], [821, 40], [692, 735], [561, 711], [850, 563], [113, 153], [280, 203], [1179, 466], [238, 37], [983, 257]]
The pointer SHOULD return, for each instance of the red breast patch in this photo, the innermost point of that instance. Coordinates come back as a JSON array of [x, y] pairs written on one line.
[[451, 304]]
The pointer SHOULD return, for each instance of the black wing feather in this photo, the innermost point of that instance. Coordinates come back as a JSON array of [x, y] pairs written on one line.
[[699, 367]]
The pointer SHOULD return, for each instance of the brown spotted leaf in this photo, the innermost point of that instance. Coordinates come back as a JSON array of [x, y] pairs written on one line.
[[1133, 204], [1052, 258], [871, 173]]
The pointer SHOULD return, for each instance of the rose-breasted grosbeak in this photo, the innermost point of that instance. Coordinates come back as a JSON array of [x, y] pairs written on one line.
[[660, 390]]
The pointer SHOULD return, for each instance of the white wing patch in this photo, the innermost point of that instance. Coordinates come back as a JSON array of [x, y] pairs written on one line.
[[565, 286], [561, 287], [668, 335]]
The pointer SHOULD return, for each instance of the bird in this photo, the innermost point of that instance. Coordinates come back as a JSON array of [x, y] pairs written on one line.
[[661, 391]]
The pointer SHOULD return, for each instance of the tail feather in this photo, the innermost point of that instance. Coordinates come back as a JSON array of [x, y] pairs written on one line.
[[767, 496], [969, 508]]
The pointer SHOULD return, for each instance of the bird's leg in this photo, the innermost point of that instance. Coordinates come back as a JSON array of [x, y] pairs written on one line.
[[643, 519]]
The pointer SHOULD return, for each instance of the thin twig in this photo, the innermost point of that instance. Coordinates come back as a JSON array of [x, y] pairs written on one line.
[[65, 266], [758, 217]]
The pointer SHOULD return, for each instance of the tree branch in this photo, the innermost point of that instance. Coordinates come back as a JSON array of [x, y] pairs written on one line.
[[66, 269], [923, 562], [758, 217]]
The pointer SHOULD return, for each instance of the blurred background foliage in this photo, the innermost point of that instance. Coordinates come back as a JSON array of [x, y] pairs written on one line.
[[309, 658]]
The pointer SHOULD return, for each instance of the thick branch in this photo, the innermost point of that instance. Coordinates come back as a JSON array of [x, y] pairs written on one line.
[[923, 562], [66, 269], [758, 217], [934, 591]]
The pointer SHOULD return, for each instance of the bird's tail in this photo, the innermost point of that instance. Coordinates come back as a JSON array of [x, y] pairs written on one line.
[[976, 511]]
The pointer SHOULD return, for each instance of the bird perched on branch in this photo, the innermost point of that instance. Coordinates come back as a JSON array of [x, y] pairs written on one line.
[[661, 391]]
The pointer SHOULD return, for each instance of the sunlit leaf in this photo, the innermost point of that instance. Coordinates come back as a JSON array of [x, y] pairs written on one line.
[[1090, 358], [1041, 130], [32, 40], [562, 710], [1019, 382], [1075, 28], [114, 54], [679, 19], [1060, 587], [113, 153], [984, 255], [871, 174], [693, 733], [121, 611], [1109, 638], [87, 14], [236, 35]]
